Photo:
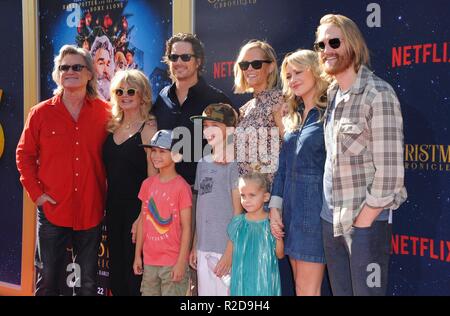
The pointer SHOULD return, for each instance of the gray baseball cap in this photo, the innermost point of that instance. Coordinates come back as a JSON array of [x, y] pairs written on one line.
[[162, 139]]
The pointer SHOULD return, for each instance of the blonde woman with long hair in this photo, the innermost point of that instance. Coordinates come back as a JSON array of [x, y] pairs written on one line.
[[127, 167], [297, 187]]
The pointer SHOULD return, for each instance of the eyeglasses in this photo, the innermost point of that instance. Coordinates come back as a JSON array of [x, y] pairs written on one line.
[[256, 64], [334, 43], [184, 57], [76, 67], [120, 92]]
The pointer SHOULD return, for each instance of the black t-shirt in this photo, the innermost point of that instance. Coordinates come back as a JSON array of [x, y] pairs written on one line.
[[169, 115]]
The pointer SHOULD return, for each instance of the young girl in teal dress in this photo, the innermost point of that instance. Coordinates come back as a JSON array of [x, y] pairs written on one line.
[[254, 270]]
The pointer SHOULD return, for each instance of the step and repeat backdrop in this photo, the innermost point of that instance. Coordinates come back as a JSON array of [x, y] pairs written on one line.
[[410, 48], [409, 43]]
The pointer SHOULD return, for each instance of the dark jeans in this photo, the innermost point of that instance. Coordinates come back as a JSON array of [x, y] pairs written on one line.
[[51, 253], [358, 261]]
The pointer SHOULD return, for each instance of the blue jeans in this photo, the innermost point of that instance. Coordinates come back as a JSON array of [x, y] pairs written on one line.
[[51, 253], [358, 261]]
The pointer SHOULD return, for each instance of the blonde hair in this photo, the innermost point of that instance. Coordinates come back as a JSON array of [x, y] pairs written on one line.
[[258, 178], [355, 43], [134, 79], [91, 87], [240, 84], [310, 60]]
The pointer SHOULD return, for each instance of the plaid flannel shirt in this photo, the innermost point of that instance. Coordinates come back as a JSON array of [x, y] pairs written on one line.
[[367, 164]]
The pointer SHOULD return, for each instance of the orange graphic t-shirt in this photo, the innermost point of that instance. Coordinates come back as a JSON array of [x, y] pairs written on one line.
[[162, 203]]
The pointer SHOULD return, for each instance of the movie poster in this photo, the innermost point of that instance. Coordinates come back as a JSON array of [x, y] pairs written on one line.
[[119, 34]]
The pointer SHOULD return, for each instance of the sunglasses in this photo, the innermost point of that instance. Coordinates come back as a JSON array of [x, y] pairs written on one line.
[[120, 92], [184, 57], [76, 67], [256, 64], [334, 43]]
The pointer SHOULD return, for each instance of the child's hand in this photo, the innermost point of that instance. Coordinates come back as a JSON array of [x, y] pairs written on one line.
[[137, 266], [223, 267], [193, 259], [276, 223], [178, 271]]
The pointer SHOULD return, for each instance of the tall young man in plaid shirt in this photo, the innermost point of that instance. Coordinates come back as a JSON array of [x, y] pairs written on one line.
[[364, 170]]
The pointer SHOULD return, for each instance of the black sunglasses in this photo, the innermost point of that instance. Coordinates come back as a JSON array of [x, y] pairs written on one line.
[[184, 57], [334, 43], [256, 64], [76, 67], [120, 92]]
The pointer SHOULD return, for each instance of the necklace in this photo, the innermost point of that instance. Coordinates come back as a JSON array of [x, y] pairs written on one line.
[[129, 125]]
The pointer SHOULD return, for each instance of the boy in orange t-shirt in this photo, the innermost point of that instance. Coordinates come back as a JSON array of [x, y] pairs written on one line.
[[164, 231]]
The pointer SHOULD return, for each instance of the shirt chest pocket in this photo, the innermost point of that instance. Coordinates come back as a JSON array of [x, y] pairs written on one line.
[[352, 139], [55, 138]]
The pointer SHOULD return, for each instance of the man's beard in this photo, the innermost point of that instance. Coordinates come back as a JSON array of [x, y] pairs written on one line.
[[343, 62]]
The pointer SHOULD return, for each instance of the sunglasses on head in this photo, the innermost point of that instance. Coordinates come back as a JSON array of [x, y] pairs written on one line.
[[120, 92], [334, 43], [76, 67], [184, 57], [256, 64]]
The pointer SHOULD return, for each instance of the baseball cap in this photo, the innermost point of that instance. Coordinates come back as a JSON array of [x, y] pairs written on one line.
[[162, 139], [219, 112]]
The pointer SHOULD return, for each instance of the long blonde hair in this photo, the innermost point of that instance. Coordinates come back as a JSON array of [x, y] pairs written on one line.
[[134, 79], [309, 59], [240, 84]]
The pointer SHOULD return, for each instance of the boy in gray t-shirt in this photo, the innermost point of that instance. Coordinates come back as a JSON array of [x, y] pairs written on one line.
[[218, 201]]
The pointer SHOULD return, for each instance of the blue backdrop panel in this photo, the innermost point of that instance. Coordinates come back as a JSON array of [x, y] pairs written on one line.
[[11, 120], [409, 43]]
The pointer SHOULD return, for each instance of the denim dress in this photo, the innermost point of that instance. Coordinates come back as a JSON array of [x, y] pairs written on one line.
[[298, 182]]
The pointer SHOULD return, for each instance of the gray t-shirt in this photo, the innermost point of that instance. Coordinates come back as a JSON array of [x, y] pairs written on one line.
[[214, 183]]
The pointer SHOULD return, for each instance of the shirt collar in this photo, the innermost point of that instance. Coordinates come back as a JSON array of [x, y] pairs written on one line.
[[197, 88], [358, 86]]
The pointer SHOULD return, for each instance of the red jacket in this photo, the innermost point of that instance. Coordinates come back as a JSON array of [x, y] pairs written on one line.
[[63, 158]]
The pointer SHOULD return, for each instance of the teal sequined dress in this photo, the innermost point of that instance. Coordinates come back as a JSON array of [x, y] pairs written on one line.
[[254, 271]]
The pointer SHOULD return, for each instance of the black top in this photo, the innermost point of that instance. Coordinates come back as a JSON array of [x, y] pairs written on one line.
[[126, 166], [169, 115]]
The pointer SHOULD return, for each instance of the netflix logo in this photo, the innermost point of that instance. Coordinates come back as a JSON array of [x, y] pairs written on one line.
[[419, 246], [223, 69], [420, 54]]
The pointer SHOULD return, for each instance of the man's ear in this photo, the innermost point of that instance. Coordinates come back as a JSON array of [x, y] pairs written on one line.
[[266, 197]]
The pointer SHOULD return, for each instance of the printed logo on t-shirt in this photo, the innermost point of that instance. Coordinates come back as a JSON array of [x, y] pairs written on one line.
[[161, 224], [206, 186]]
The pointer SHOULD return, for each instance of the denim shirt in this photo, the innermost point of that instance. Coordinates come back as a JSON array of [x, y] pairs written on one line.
[[301, 163]]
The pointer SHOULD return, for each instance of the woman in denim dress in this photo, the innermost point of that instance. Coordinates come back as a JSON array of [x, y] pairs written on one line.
[[297, 188]]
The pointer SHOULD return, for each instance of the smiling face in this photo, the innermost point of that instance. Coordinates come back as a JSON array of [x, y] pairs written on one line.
[[257, 78], [74, 80], [335, 61], [127, 102], [301, 81], [161, 158], [214, 132], [184, 70]]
